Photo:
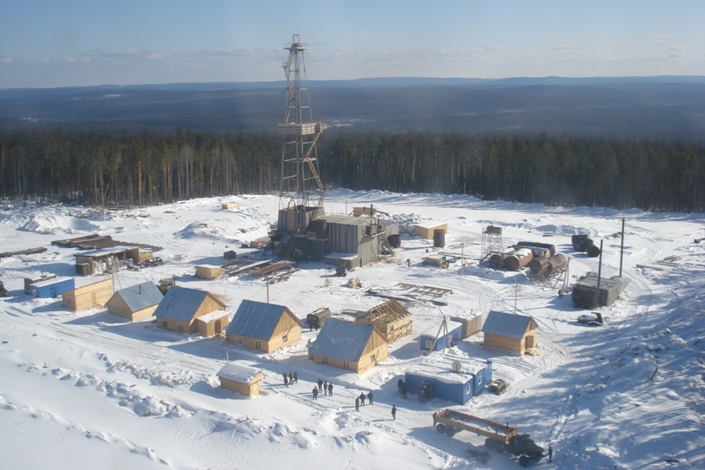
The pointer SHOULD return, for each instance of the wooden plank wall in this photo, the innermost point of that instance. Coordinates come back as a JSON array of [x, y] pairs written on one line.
[[92, 295]]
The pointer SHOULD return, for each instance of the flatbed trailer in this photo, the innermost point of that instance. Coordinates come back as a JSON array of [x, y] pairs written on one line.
[[500, 438], [454, 421]]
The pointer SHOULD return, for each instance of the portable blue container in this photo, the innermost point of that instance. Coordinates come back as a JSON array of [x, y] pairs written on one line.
[[51, 288], [443, 341], [435, 378]]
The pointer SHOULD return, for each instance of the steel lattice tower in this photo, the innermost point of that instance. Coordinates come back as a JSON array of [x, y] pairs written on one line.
[[300, 180]]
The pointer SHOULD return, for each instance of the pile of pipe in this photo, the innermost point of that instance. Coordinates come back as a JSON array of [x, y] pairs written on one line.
[[584, 244]]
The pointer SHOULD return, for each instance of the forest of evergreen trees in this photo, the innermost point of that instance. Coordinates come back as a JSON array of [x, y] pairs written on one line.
[[112, 169]]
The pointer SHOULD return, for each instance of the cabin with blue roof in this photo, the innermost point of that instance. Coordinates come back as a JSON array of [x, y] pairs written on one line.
[[136, 302], [191, 311], [349, 345], [448, 377], [263, 327], [510, 332]]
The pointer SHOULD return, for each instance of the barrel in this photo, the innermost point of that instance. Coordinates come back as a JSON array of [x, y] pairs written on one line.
[[518, 260], [581, 242], [394, 241], [557, 262], [592, 251], [439, 238]]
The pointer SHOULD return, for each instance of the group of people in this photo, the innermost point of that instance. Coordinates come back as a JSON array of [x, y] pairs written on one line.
[[290, 378], [360, 400], [401, 385]]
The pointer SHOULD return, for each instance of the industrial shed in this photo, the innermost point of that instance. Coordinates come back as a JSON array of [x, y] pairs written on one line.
[[241, 379], [85, 297], [510, 332], [231, 205], [390, 318], [356, 241], [448, 377], [264, 327], [101, 260], [427, 230], [51, 288], [136, 302], [209, 272], [349, 345], [592, 292], [181, 306]]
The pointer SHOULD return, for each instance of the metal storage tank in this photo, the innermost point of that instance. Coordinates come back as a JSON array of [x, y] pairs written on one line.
[[439, 238]]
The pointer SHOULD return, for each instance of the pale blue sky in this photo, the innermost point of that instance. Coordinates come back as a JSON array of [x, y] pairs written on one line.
[[49, 43]]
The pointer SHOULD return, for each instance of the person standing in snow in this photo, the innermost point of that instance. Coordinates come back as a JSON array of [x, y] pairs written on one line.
[[357, 403], [325, 388], [296, 377], [315, 393], [394, 412], [330, 389], [369, 396], [403, 390], [400, 384], [291, 378], [550, 454], [286, 381], [362, 398], [320, 384]]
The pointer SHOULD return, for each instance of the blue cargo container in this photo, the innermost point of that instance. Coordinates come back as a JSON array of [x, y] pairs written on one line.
[[51, 288], [435, 377], [443, 342]]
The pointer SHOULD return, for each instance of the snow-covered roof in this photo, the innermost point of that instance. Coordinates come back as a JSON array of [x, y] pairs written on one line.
[[342, 340], [180, 303], [209, 317], [439, 366], [239, 372], [140, 296], [100, 252], [52, 281], [512, 325], [256, 319], [342, 255]]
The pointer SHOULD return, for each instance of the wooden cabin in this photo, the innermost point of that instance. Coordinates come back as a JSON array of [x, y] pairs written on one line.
[[181, 306], [390, 318], [263, 327], [92, 295], [212, 324], [241, 379], [427, 230], [231, 205], [209, 272], [509, 332], [348, 345], [102, 260], [136, 302]]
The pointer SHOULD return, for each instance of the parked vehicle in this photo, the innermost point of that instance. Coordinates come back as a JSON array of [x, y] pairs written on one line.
[[592, 319], [500, 438]]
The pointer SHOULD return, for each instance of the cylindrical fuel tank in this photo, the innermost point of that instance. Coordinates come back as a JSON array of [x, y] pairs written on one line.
[[518, 260]]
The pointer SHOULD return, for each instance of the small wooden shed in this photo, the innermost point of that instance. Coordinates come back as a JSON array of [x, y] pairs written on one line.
[[349, 345], [135, 302], [231, 205], [212, 324], [510, 332], [181, 306], [85, 297], [426, 230], [264, 327], [241, 379], [390, 318], [207, 271]]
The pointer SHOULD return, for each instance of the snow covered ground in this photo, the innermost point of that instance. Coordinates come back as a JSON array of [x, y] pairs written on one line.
[[91, 390]]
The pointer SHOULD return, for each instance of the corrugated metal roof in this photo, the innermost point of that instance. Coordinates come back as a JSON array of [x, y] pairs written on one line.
[[348, 220], [256, 320], [343, 340], [140, 296], [180, 303], [506, 324]]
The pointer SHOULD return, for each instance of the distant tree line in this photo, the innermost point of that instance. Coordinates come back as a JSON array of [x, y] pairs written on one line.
[[111, 169]]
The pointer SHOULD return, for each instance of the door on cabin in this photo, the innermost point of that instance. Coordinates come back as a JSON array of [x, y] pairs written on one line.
[[218, 327], [529, 342]]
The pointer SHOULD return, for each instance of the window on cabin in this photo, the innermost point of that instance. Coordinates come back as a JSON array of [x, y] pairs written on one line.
[[258, 345], [238, 341], [285, 338], [181, 327], [346, 365], [374, 358], [164, 324], [324, 360]]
